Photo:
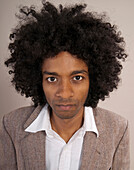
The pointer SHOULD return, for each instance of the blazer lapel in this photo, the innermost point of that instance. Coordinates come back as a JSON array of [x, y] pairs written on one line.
[[33, 145], [33, 151], [92, 146]]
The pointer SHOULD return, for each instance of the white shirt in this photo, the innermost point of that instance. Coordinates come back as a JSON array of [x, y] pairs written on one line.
[[59, 154]]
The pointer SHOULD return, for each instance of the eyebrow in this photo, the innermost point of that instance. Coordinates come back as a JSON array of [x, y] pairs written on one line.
[[50, 73], [73, 73], [79, 72]]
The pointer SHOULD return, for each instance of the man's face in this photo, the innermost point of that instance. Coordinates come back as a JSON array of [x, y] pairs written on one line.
[[65, 84]]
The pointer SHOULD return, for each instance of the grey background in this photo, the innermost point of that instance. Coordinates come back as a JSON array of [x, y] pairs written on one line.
[[121, 13]]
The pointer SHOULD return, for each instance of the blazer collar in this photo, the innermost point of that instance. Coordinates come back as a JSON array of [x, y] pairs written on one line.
[[92, 146], [33, 116]]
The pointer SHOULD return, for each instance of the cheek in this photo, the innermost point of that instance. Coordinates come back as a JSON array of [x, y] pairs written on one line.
[[82, 92], [49, 92]]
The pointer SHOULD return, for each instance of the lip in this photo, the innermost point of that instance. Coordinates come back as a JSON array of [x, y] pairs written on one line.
[[65, 107]]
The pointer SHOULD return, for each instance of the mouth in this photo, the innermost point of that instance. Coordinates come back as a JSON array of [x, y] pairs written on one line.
[[65, 106]]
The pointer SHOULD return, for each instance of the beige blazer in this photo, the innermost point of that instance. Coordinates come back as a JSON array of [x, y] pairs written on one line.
[[20, 150]]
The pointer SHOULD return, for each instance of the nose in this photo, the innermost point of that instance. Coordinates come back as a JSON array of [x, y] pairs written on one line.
[[65, 89]]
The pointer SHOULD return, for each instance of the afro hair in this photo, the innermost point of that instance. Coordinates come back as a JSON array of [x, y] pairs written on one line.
[[45, 33]]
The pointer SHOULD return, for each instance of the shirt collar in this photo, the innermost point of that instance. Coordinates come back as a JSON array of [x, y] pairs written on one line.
[[89, 121], [42, 122]]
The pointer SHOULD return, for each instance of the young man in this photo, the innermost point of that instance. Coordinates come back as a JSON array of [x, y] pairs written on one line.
[[66, 60]]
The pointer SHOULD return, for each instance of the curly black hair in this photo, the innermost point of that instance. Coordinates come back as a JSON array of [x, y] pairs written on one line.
[[45, 33]]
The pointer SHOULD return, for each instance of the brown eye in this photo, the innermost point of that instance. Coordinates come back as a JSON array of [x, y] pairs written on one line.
[[77, 78], [51, 79]]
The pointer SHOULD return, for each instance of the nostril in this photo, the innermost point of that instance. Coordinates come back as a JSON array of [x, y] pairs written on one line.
[[64, 94]]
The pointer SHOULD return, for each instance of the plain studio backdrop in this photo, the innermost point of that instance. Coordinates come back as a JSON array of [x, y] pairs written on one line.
[[120, 12]]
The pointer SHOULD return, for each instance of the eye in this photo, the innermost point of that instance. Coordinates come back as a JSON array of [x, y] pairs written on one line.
[[51, 79], [77, 78]]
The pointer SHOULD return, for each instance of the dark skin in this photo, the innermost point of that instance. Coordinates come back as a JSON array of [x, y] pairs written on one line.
[[66, 86]]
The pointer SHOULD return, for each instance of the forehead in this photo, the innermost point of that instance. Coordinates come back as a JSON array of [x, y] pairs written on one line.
[[64, 62]]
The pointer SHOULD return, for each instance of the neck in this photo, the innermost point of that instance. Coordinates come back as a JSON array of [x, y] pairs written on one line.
[[67, 127]]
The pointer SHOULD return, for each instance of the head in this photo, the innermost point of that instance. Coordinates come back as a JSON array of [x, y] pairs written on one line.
[[65, 84], [83, 39]]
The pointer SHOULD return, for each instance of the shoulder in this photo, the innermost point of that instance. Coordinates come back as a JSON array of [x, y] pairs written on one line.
[[109, 116], [18, 116], [14, 122], [110, 123]]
